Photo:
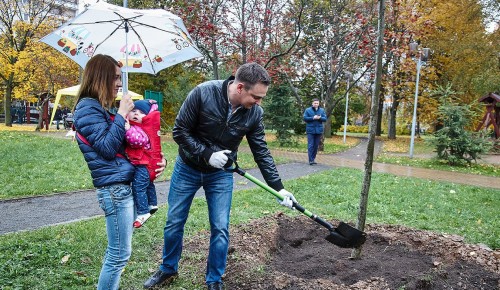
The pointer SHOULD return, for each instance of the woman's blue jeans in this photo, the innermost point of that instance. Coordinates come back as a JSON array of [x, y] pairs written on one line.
[[218, 188], [118, 205]]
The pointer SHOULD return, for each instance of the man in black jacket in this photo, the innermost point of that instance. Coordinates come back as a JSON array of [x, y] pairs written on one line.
[[210, 125]]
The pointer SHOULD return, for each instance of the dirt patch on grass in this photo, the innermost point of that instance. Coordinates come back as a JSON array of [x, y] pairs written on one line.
[[280, 252]]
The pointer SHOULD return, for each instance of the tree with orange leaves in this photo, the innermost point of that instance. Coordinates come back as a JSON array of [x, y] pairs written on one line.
[[21, 22]]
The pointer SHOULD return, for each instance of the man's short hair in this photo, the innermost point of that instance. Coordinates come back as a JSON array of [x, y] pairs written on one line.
[[252, 73], [315, 100]]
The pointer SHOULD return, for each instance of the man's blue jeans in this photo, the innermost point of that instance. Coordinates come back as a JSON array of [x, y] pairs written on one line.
[[118, 205], [218, 188], [144, 190], [312, 145]]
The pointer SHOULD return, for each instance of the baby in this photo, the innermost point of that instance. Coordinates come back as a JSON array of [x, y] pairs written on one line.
[[143, 150]]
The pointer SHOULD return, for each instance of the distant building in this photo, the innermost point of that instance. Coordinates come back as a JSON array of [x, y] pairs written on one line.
[[66, 8], [62, 9]]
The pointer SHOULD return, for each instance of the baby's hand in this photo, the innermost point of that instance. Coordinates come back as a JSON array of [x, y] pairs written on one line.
[[127, 124]]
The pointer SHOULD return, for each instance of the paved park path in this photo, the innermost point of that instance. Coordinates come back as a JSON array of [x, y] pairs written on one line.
[[36, 212]]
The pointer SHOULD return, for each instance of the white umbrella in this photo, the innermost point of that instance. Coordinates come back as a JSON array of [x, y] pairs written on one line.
[[141, 40], [73, 91]]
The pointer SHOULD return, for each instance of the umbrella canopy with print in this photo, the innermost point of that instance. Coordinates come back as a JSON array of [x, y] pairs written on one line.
[[141, 40]]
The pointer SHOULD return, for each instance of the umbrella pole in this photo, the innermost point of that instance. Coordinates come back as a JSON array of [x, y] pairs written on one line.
[[125, 78]]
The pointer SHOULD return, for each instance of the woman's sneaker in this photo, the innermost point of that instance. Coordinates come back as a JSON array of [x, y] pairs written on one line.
[[153, 209], [141, 219]]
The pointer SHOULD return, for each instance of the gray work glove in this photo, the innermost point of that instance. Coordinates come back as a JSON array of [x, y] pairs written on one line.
[[287, 200], [219, 159]]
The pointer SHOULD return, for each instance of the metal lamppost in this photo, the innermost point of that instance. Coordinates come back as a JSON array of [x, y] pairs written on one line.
[[348, 76], [420, 57]]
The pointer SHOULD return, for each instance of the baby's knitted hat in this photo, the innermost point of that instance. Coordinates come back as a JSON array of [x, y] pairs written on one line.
[[143, 105]]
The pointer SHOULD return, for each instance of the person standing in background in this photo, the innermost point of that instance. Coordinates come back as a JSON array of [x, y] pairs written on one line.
[[58, 116], [314, 117]]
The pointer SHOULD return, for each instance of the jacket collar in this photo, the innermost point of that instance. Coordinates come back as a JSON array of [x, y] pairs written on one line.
[[225, 84]]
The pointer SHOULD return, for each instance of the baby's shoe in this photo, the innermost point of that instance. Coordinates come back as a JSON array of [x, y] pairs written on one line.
[[153, 209], [141, 219]]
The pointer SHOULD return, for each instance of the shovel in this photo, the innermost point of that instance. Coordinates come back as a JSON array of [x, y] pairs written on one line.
[[343, 235]]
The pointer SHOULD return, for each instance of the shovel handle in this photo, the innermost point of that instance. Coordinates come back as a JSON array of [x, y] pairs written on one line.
[[295, 204], [237, 169]]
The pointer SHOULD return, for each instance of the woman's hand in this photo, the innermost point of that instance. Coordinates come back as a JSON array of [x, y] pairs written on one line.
[[126, 105], [162, 165]]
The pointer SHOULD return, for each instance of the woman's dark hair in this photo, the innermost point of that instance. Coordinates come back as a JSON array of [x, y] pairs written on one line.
[[98, 80]]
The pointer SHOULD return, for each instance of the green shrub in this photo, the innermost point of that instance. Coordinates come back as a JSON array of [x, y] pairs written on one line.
[[402, 130], [299, 127], [281, 114], [354, 129], [453, 142]]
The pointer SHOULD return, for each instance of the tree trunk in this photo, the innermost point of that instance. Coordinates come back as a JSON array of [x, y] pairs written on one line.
[[328, 127], [363, 202], [321, 146], [391, 134], [8, 104], [392, 118], [243, 32], [9, 89], [379, 113], [215, 61], [215, 69]]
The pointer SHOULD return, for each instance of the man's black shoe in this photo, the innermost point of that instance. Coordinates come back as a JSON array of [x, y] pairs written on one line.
[[159, 279], [216, 286]]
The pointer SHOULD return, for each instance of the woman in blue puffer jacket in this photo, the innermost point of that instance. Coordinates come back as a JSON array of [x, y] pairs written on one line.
[[101, 138]]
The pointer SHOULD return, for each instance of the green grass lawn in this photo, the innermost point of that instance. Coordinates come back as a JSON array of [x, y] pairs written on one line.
[[333, 144], [69, 256], [42, 164], [397, 152], [436, 164]]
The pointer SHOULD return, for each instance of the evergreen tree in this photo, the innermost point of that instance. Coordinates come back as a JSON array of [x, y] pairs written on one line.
[[281, 114], [454, 142]]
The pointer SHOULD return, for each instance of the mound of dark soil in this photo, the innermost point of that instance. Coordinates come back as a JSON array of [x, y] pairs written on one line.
[[291, 253]]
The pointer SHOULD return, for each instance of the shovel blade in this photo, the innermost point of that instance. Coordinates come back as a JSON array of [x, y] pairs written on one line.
[[346, 236]]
